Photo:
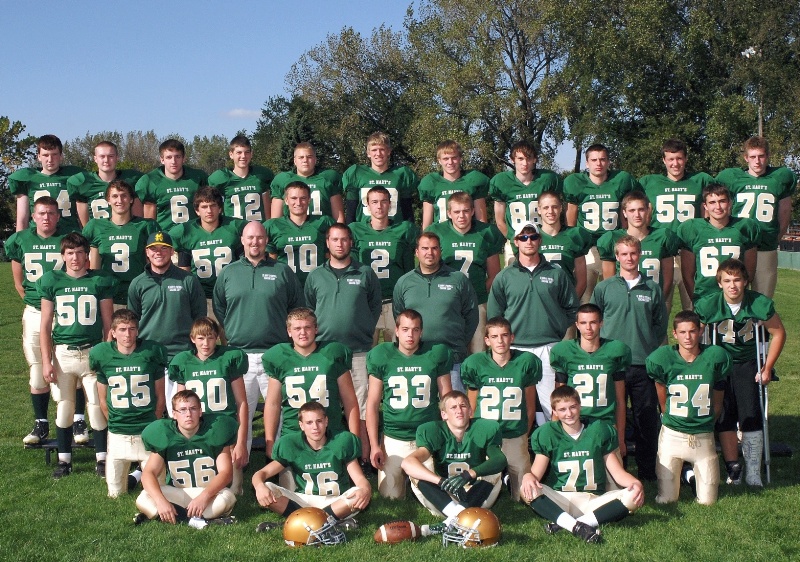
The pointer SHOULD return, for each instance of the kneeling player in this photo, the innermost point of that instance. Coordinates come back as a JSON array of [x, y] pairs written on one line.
[[196, 452], [130, 386], [325, 467], [694, 377], [574, 494], [468, 461]]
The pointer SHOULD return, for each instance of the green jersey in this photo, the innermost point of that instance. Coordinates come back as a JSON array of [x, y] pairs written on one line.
[[315, 377], [37, 256], [191, 461], [33, 183], [87, 187], [501, 390], [211, 378], [324, 185], [301, 247], [358, 179], [435, 189], [734, 332], [174, 299], [592, 374], [598, 205], [243, 196], [121, 249], [208, 252], [468, 252], [77, 304], [690, 386], [410, 385], [323, 472], [390, 252], [131, 381], [252, 302], [576, 465], [481, 440], [660, 243], [447, 303], [711, 246], [675, 202], [562, 249], [758, 198], [521, 200], [174, 199]]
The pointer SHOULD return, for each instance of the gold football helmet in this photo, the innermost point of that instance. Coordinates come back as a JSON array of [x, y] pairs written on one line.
[[309, 526], [474, 527]]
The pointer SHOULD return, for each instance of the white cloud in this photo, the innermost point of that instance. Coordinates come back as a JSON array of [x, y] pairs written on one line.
[[242, 114]]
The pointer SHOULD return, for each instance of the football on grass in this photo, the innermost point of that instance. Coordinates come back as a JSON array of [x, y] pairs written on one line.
[[397, 531]]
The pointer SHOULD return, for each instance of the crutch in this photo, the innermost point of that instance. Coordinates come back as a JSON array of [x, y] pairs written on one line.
[[763, 390]]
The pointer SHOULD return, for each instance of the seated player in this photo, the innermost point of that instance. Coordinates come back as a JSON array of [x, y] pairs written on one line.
[[501, 385], [468, 461], [130, 386], [215, 374], [325, 467], [690, 382], [734, 313], [196, 453], [573, 496]]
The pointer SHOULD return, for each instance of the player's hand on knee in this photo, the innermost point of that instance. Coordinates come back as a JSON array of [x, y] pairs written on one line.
[[239, 455], [359, 499], [265, 496], [530, 488], [638, 493], [455, 485], [198, 505], [166, 511], [378, 458]]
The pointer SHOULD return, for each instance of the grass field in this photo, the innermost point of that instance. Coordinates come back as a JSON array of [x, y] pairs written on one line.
[[72, 519]]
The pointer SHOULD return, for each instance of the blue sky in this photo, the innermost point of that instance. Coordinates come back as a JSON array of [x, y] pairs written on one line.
[[201, 67]]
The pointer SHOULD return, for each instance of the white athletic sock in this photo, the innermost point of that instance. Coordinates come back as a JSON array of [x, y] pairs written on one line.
[[566, 521], [78, 417], [100, 456], [64, 457], [137, 474], [589, 519], [452, 509]]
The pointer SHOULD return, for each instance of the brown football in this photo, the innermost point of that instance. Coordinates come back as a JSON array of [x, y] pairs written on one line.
[[397, 531]]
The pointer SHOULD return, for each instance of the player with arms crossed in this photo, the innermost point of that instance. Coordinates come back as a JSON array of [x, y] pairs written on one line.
[[167, 191], [705, 243], [89, 188], [595, 367], [118, 242], [573, 496], [467, 461], [473, 247], [675, 197], [763, 193], [734, 314], [130, 384], [306, 370], [325, 185], [29, 184], [436, 187], [81, 300], [501, 385], [245, 186], [325, 467], [388, 248], [215, 375], [690, 381], [516, 193], [195, 452], [406, 380], [400, 181]]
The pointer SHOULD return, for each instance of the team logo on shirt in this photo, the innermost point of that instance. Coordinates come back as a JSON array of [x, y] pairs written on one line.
[[643, 298], [547, 280], [175, 288], [446, 287], [354, 281], [269, 276]]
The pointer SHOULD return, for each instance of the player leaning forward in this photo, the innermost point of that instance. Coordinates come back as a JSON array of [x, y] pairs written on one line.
[[467, 458], [196, 453], [81, 300], [130, 386], [573, 496]]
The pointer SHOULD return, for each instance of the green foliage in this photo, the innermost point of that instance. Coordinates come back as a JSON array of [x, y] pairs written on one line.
[[16, 150]]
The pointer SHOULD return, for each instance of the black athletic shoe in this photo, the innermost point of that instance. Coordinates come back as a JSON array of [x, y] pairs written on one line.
[[80, 434], [266, 526], [40, 431], [366, 468], [63, 469], [552, 528], [140, 518], [734, 472], [586, 532], [229, 520], [100, 469]]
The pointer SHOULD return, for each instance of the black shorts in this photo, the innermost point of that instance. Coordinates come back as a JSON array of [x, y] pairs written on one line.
[[741, 403]]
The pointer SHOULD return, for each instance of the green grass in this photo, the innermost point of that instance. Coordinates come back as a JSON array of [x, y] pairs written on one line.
[[72, 519]]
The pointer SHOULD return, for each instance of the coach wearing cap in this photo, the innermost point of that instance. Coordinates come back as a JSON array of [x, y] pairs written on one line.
[[539, 301]]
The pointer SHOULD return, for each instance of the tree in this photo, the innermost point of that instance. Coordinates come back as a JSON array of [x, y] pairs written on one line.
[[16, 150], [269, 132], [209, 153]]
